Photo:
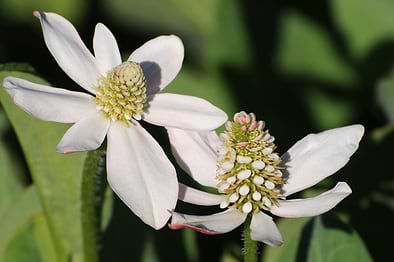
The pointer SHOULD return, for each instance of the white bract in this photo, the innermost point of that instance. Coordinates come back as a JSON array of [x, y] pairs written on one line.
[[120, 94], [243, 165]]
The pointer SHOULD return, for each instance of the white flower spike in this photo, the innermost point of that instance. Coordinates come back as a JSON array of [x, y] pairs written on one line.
[[259, 180], [120, 94]]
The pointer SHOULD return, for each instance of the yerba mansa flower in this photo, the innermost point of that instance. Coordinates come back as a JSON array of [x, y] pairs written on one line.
[[119, 95], [244, 166]]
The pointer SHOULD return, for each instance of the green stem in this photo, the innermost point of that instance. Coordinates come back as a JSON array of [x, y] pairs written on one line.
[[250, 246], [93, 187]]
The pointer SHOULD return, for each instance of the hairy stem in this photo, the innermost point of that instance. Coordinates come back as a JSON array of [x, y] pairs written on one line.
[[93, 187], [250, 246]]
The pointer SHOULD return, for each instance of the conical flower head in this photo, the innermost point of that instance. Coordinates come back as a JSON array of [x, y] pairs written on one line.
[[249, 169], [122, 93]]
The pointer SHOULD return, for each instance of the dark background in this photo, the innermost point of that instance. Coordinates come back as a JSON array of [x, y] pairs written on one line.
[[302, 66]]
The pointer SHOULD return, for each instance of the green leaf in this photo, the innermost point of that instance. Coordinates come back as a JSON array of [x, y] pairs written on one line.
[[305, 49], [57, 177], [43, 239], [365, 23], [31, 242], [11, 172], [24, 208], [331, 240], [321, 239], [22, 247], [291, 230]]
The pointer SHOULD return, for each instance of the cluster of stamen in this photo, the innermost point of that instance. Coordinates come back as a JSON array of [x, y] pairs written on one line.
[[122, 93], [249, 170]]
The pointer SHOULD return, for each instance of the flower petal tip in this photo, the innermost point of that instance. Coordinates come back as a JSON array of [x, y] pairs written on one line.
[[276, 244], [6, 82], [357, 132], [195, 228], [224, 117], [272, 242], [344, 188], [360, 130], [175, 38], [37, 14], [64, 151]]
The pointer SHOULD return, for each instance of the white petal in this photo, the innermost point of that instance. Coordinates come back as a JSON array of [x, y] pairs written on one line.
[[194, 196], [49, 103], [68, 50], [184, 112], [214, 140], [86, 134], [217, 223], [106, 49], [140, 173], [161, 59], [312, 206], [194, 155], [263, 229], [318, 156]]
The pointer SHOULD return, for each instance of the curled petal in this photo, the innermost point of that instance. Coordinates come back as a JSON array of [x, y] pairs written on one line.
[[161, 59], [49, 103], [218, 223], [194, 196], [312, 206], [194, 155], [263, 229], [184, 112], [106, 49], [140, 173], [86, 134], [318, 156], [69, 51]]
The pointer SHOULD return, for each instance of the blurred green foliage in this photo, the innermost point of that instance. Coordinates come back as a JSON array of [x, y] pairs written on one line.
[[306, 49], [56, 176], [365, 23], [385, 95], [11, 172], [324, 239], [301, 66], [21, 10]]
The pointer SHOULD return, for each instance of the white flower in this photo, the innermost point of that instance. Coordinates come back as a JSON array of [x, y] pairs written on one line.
[[120, 94], [309, 161]]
